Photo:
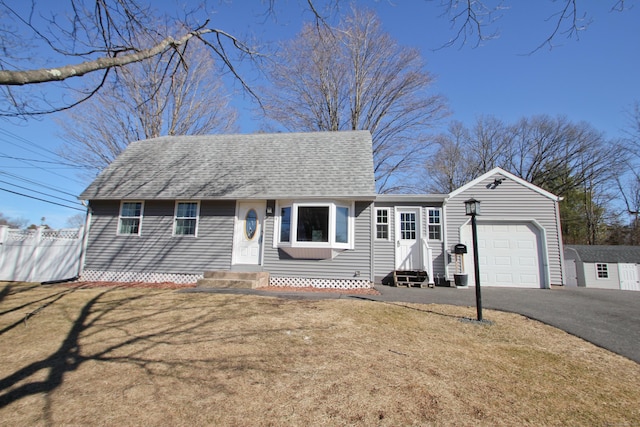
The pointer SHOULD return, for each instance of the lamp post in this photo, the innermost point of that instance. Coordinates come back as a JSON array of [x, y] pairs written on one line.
[[472, 209]]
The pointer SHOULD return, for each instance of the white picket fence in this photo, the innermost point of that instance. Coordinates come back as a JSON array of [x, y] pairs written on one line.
[[41, 255]]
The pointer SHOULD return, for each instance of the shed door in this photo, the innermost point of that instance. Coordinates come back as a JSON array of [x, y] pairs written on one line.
[[629, 277], [247, 247], [509, 255], [408, 239]]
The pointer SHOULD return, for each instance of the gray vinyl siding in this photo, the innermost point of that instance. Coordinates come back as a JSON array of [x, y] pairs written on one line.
[[343, 266], [156, 250], [384, 250], [508, 201], [590, 275]]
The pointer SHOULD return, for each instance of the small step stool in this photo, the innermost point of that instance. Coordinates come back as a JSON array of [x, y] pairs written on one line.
[[410, 278]]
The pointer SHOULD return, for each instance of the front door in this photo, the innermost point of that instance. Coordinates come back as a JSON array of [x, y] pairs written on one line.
[[247, 248], [408, 239], [629, 277]]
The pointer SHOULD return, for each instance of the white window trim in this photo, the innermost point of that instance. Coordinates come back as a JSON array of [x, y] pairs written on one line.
[[429, 210], [331, 244], [388, 224], [175, 218], [606, 270], [120, 217]]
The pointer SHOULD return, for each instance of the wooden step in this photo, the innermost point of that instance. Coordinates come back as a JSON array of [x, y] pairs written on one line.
[[410, 278], [225, 279]]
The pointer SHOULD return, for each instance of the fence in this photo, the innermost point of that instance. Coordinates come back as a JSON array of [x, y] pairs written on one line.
[[40, 255]]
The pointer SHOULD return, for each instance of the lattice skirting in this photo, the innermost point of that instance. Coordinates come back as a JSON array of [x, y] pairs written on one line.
[[134, 276], [300, 282]]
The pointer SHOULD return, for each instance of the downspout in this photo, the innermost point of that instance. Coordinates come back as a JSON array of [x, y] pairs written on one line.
[[445, 233], [372, 255]]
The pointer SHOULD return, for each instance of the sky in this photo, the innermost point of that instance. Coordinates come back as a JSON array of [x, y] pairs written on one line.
[[592, 77]]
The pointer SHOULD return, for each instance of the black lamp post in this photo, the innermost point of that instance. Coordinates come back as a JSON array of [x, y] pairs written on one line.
[[472, 208]]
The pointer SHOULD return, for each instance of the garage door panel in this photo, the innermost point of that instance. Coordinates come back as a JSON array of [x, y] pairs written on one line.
[[509, 255]]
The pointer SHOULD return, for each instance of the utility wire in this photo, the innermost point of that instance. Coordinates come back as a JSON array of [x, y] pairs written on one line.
[[5, 156], [30, 181], [42, 200], [40, 192]]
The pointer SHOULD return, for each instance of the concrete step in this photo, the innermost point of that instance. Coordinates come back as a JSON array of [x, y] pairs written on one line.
[[234, 279]]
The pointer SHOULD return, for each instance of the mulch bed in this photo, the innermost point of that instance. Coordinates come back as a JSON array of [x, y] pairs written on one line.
[[171, 285]]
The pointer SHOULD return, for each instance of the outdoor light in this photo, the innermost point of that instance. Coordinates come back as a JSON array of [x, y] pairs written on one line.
[[472, 208]]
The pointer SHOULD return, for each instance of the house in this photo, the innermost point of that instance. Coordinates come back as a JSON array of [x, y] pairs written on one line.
[[297, 205], [606, 267], [303, 207]]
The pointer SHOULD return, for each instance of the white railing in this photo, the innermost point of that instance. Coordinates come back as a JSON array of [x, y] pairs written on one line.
[[427, 260], [40, 255]]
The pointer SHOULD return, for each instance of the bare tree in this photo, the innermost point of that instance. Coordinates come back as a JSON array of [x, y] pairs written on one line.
[[104, 36], [42, 46], [464, 154], [572, 160], [356, 77], [140, 104], [475, 21]]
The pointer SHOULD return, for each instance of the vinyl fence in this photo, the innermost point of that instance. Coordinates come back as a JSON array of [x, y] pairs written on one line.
[[40, 255]]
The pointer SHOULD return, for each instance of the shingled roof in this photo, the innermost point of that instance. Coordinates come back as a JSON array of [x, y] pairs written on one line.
[[609, 254], [251, 166]]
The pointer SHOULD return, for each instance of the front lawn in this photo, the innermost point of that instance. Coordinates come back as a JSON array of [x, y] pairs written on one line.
[[123, 356]]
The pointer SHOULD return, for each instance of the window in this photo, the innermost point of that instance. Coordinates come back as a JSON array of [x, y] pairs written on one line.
[[186, 219], [285, 224], [435, 224], [408, 226], [602, 270], [342, 224], [382, 224], [130, 218], [315, 225]]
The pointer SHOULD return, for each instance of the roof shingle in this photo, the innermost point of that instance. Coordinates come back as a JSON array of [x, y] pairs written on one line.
[[251, 166], [609, 254]]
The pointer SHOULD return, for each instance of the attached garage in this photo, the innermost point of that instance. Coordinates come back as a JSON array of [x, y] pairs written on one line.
[[519, 235], [510, 254]]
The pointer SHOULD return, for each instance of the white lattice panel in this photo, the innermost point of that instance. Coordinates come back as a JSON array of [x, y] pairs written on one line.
[[300, 282], [133, 276]]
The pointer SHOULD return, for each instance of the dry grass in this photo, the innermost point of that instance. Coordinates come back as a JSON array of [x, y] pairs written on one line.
[[107, 356]]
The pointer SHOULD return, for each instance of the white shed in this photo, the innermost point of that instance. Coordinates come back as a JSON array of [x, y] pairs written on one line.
[[606, 267]]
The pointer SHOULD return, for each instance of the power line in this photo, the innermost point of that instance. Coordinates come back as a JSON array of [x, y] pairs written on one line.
[[5, 156], [42, 200], [40, 192], [20, 178]]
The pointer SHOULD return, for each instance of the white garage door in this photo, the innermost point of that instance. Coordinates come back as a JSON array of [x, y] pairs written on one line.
[[508, 254]]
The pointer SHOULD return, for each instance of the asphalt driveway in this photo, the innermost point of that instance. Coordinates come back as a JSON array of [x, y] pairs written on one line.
[[606, 318]]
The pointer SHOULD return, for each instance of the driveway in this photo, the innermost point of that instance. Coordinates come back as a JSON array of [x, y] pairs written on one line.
[[606, 318]]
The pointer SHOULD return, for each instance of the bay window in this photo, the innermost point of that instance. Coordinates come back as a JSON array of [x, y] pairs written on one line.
[[315, 225]]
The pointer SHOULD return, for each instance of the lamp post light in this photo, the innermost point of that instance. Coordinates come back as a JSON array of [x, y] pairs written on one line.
[[472, 209]]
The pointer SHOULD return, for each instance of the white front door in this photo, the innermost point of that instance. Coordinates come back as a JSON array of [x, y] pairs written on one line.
[[247, 248], [629, 277], [408, 234]]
